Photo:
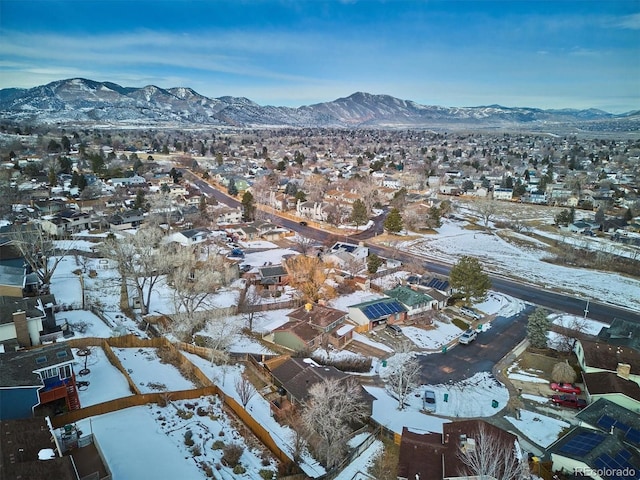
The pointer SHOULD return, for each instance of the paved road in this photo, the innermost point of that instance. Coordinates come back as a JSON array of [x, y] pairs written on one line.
[[464, 361]]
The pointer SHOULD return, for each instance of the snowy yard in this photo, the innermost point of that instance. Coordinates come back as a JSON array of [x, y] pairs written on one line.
[[502, 257]]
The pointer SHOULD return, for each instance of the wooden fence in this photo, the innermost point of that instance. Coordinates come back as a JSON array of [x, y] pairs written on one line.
[[187, 369]]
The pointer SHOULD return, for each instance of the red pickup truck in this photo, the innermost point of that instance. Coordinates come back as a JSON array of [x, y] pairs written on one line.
[[570, 401]]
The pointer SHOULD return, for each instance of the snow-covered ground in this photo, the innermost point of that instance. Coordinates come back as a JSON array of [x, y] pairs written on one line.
[[159, 432], [502, 257]]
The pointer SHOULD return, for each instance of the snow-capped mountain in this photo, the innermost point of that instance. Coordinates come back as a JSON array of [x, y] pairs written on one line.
[[80, 100]]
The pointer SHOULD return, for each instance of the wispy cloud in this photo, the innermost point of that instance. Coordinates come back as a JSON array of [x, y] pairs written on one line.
[[631, 22]]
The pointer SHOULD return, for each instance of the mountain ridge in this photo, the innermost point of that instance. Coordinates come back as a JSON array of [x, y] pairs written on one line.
[[80, 100]]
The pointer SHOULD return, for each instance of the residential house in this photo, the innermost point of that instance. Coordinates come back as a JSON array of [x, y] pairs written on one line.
[[415, 302], [12, 281], [134, 181], [36, 378], [436, 456], [313, 326], [295, 376], [126, 220], [66, 222], [621, 332], [348, 256], [228, 215], [596, 357], [28, 450], [188, 238], [503, 194], [596, 447], [374, 313], [615, 387], [24, 320], [312, 210], [272, 278], [582, 226]]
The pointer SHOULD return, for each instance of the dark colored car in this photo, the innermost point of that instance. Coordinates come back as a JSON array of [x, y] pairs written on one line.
[[394, 329], [303, 223], [565, 388], [570, 401]]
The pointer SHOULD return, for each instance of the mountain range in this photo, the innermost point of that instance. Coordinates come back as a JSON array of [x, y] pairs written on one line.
[[80, 101]]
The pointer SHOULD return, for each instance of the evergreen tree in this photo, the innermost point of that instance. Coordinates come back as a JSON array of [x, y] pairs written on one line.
[[393, 222], [373, 263], [140, 202], [537, 327], [202, 207], [300, 195], [248, 207], [359, 214], [82, 182], [231, 188], [469, 279]]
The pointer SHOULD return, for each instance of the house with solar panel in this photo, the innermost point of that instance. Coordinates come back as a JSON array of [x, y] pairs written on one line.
[[415, 302], [40, 378], [375, 313], [606, 444], [346, 254]]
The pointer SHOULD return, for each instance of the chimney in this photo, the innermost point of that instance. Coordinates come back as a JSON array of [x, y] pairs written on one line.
[[623, 370], [22, 329]]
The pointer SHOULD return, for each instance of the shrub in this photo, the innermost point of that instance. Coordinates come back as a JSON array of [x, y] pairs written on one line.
[[232, 453], [266, 474], [188, 440], [461, 324], [239, 469], [218, 445], [195, 450]]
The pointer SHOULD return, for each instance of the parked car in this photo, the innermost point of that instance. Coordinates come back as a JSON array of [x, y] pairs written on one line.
[[570, 401], [429, 400], [236, 252], [303, 223], [470, 313], [468, 336], [394, 329], [566, 388]]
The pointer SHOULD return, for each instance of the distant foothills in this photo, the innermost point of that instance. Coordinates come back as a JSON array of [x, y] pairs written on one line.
[[80, 101]]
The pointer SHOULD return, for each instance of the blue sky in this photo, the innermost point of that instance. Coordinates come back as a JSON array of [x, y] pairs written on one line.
[[547, 54]]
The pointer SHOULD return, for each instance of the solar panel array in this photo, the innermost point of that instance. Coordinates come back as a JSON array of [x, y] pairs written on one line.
[[606, 422], [438, 284], [382, 309], [582, 443], [630, 434], [616, 464], [633, 436]]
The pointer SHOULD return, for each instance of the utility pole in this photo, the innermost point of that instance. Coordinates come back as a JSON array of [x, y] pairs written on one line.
[[586, 309]]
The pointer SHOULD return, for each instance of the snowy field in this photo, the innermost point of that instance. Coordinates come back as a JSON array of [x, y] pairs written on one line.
[[501, 257]]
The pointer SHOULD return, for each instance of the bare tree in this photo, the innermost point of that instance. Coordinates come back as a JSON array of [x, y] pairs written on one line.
[[332, 406], [142, 260], [489, 455], [38, 249], [249, 302], [245, 390], [486, 209], [194, 280], [303, 244], [403, 374]]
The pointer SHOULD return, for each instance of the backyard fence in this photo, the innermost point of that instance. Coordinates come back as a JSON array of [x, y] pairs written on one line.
[[188, 370]]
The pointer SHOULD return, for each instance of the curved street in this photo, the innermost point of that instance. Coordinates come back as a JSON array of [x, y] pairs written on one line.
[[491, 346]]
